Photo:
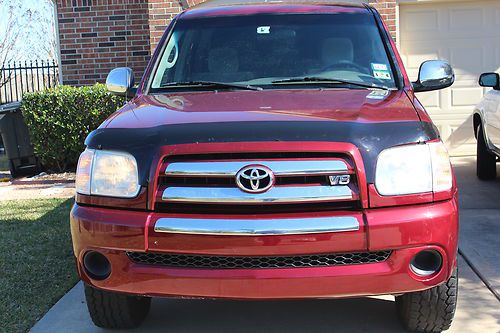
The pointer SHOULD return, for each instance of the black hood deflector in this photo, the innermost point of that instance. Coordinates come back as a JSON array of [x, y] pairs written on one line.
[[370, 138]]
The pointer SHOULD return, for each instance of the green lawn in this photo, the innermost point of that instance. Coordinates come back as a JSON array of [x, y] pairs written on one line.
[[36, 260]]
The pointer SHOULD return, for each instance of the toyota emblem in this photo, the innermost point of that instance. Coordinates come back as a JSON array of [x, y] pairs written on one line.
[[255, 179]]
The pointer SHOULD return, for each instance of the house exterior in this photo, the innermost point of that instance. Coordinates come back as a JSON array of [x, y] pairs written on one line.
[[98, 35]]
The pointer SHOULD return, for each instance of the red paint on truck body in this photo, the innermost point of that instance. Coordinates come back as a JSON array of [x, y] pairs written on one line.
[[404, 225], [404, 230], [269, 105]]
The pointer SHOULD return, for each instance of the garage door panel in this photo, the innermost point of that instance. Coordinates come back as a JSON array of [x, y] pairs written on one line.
[[466, 18], [468, 35], [431, 100], [417, 53], [467, 60], [421, 20], [465, 96], [457, 132], [418, 56]]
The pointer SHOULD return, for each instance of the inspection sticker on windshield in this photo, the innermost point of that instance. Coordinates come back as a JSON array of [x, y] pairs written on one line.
[[382, 75], [264, 30], [379, 67], [380, 71]]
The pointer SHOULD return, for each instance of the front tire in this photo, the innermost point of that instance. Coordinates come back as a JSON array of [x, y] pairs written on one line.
[[486, 167], [431, 310], [114, 310]]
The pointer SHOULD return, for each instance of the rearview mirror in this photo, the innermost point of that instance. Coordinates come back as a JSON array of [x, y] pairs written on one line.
[[491, 80], [120, 81], [434, 75]]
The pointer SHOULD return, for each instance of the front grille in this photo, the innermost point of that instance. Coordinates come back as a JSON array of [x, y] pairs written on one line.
[[209, 183], [240, 262]]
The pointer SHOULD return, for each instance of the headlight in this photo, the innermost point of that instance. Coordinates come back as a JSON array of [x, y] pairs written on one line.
[[413, 169], [107, 173]]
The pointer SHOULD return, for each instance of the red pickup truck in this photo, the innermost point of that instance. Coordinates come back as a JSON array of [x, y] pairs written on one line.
[[270, 151]]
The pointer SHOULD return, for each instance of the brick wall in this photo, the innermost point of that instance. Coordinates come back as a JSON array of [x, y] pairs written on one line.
[[99, 35], [161, 12], [387, 9]]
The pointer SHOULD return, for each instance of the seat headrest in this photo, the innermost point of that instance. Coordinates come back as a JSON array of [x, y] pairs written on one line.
[[223, 60], [335, 50]]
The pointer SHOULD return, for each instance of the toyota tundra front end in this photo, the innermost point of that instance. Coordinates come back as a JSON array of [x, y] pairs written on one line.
[[270, 151]]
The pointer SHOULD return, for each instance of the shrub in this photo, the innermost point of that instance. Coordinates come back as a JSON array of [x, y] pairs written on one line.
[[59, 120]]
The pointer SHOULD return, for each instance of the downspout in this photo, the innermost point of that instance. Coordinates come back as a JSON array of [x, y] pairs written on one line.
[[58, 41], [184, 4]]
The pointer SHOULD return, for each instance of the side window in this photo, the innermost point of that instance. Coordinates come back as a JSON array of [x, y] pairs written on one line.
[[169, 59]]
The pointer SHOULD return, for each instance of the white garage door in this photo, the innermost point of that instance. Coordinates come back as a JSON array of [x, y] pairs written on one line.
[[467, 34]]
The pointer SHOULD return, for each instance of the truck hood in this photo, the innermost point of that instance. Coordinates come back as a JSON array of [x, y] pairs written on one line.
[[371, 120], [269, 105]]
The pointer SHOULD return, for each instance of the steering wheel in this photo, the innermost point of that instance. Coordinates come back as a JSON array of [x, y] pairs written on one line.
[[344, 64]]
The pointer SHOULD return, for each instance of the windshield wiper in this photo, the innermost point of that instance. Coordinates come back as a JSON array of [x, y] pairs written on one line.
[[211, 84], [319, 80]]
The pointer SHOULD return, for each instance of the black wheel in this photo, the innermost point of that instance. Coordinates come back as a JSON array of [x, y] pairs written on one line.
[[17, 172], [113, 310], [431, 310], [13, 170], [38, 166], [486, 167]]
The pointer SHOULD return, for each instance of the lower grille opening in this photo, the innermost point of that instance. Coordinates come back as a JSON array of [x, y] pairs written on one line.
[[242, 262]]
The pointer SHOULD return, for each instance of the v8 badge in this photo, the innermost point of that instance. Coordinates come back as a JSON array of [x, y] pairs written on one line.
[[339, 180]]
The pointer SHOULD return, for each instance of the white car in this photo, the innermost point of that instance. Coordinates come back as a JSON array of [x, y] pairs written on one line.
[[487, 127]]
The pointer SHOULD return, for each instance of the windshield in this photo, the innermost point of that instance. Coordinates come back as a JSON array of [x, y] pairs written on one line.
[[275, 50]]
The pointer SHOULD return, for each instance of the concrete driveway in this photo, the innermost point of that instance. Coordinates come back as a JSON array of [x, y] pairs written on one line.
[[478, 309]]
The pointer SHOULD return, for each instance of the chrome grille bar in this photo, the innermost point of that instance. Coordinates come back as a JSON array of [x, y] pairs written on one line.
[[277, 194], [255, 227], [279, 168]]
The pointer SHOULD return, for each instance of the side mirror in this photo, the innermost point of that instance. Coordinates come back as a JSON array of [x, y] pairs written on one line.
[[491, 80], [434, 75], [120, 81]]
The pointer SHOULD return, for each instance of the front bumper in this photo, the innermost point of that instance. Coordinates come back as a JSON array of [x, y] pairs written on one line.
[[404, 230]]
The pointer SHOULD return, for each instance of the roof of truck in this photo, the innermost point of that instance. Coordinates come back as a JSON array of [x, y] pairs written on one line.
[[248, 7], [213, 3]]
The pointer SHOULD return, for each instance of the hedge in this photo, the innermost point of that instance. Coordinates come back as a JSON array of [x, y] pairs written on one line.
[[59, 120]]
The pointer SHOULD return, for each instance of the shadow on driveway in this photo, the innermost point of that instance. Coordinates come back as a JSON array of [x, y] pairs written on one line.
[[479, 221], [345, 315]]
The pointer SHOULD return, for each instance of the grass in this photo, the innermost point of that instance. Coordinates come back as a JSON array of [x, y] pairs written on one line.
[[36, 260]]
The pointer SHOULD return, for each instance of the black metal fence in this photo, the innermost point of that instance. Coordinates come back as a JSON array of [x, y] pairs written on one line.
[[18, 78]]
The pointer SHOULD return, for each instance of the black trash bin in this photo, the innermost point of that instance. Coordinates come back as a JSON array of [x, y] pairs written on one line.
[[16, 141]]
